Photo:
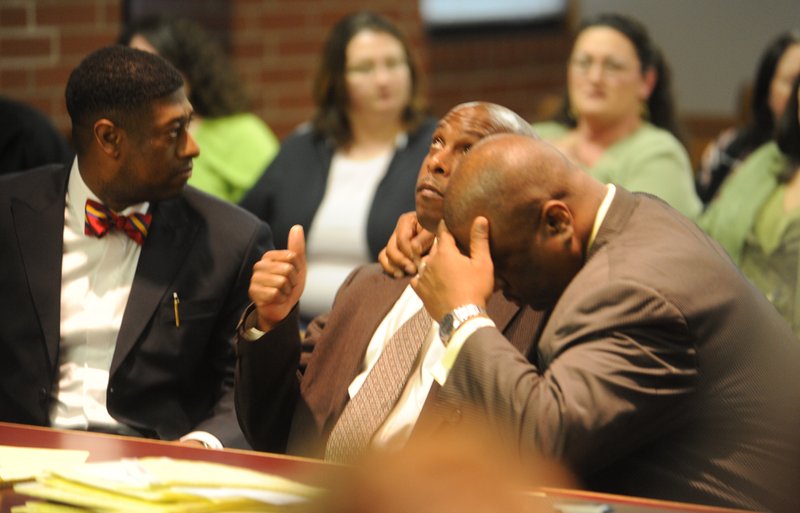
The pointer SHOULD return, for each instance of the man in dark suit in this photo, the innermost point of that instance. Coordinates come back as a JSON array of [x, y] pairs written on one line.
[[660, 372], [120, 287], [369, 309]]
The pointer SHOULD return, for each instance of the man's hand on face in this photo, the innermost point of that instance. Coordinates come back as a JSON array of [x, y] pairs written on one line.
[[447, 279], [278, 280], [404, 251]]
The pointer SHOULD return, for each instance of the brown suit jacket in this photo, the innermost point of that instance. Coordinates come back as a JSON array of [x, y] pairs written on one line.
[[340, 339], [661, 371]]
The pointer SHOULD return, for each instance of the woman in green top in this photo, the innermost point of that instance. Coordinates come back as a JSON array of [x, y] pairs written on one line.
[[756, 216], [235, 145], [618, 118]]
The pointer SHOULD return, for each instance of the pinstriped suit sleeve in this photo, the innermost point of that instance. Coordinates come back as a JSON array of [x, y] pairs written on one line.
[[607, 378]]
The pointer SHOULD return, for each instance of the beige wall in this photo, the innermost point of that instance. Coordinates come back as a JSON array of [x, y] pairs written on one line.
[[712, 45]]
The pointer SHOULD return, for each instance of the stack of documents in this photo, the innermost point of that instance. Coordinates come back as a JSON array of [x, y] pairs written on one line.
[[160, 485], [25, 463]]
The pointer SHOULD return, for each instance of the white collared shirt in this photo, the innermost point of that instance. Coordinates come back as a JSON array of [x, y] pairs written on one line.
[[397, 428], [96, 279]]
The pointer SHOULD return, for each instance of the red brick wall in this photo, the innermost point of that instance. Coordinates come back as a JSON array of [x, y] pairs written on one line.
[[274, 46], [42, 40]]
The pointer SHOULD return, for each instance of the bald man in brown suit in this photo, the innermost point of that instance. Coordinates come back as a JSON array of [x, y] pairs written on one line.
[[660, 372]]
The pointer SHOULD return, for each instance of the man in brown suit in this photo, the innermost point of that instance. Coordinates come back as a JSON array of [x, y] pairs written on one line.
[[370, 306], [660, 372]]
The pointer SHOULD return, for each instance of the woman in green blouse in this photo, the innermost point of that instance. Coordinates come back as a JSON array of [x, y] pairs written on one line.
[[618, 119], [756, 216]]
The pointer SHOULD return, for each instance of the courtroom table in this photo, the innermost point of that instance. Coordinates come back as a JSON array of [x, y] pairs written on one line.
[[560, 498], [104, 447]]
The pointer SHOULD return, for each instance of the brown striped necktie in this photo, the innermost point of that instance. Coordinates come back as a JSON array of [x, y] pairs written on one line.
[[364, 413]]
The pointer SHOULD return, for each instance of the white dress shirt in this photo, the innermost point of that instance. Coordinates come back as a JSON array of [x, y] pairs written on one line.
[[395, 431], [96, 279]]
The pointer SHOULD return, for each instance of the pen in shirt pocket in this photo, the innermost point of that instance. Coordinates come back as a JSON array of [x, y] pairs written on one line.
[[175, 303]]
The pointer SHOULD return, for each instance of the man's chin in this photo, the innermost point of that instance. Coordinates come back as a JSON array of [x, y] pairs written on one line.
[[428, 221], [169, 192]]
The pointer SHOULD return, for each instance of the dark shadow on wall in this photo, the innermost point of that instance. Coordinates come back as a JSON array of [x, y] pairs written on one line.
[[212, 15]]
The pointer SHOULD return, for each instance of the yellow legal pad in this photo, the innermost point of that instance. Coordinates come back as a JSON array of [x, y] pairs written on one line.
[[25, 463], [161, 485]]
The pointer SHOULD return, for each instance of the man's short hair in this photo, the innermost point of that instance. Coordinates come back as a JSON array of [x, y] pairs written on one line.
[[117, 83]]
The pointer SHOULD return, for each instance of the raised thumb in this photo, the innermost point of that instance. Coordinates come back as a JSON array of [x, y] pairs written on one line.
[[297, 241]]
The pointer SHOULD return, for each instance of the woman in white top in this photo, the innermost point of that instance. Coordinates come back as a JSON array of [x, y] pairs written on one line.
[[348, 174]]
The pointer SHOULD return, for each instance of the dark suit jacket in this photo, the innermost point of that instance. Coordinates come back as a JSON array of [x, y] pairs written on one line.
[[291, 189], [340, 339], [661, 371], [164, 381]]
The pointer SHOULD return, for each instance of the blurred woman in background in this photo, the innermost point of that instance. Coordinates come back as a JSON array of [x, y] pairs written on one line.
[[777, 69], [348, 174], [235, 145], [618, 118], [756, 216]]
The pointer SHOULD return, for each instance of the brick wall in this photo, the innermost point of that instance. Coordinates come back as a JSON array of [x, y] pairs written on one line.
[[274, 45], [42, 40]]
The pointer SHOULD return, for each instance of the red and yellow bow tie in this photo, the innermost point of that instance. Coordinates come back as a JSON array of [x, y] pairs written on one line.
[[100, 219]]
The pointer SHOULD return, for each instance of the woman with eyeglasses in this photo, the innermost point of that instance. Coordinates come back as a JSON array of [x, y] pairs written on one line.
[[618, 119], [351, 172]]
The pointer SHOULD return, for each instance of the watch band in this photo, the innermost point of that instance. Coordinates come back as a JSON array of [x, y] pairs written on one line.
[[456, 318]]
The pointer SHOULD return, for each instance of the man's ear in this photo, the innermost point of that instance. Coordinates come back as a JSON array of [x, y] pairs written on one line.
[[108, 137], [556, 219]]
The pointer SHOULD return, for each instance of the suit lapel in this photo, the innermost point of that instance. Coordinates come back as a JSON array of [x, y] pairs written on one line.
[[39, 225], [501, 311], [619, 212], [170, 238]]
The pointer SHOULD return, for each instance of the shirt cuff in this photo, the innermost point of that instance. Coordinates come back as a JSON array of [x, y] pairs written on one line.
[[442, 368], [249, 331], [207, 439]]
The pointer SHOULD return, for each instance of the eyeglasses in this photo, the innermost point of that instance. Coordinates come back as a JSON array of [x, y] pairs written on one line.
[[370, 67], [608, 67]]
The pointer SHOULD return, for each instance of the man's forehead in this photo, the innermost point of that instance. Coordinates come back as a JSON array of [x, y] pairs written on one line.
[[171, 107], [471, 121]]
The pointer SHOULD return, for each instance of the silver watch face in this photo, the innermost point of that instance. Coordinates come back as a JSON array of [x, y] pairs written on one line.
[[446, 327], [456, 318]]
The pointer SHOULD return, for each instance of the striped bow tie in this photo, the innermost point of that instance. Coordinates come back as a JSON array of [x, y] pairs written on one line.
[[100, 219]]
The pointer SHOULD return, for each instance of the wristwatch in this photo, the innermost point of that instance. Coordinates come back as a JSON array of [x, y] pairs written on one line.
[[456, 318]]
